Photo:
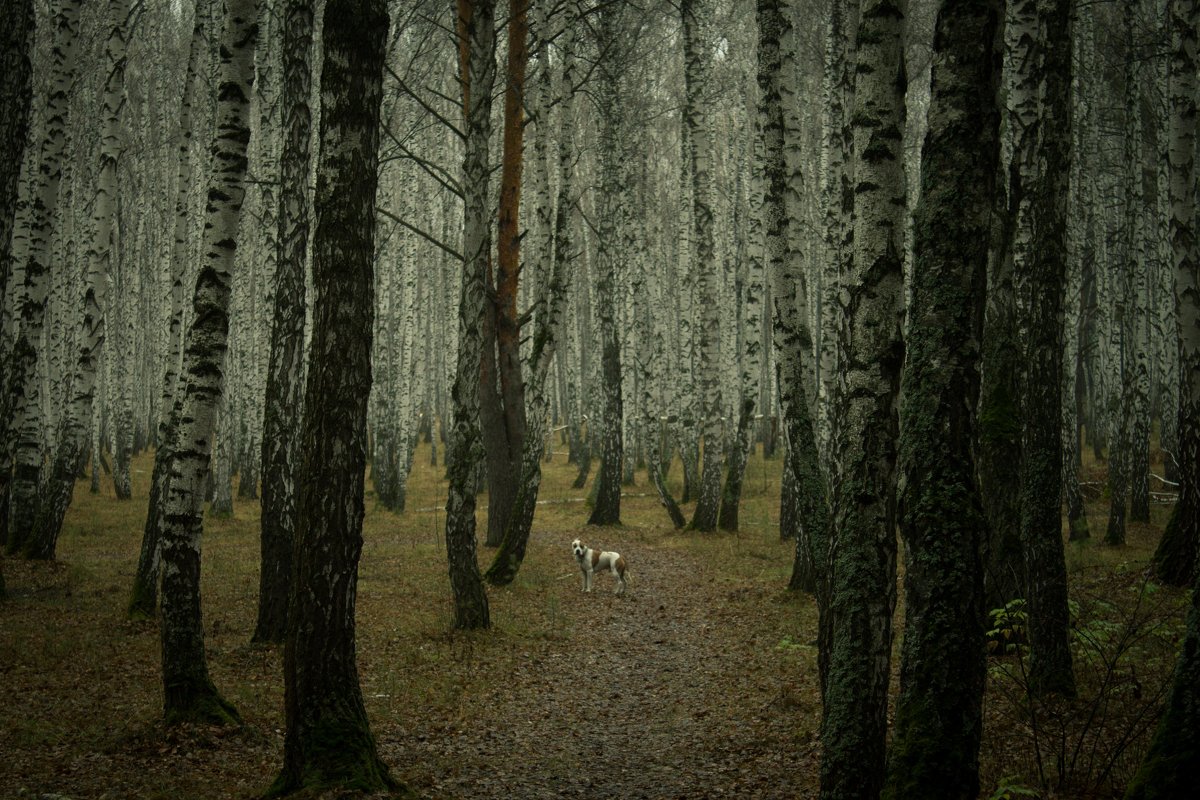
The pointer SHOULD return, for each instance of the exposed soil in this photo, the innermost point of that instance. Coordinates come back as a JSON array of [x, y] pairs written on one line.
[[661, 698]]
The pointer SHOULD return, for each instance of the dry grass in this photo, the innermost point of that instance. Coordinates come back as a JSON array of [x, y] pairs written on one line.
[[80, 695]]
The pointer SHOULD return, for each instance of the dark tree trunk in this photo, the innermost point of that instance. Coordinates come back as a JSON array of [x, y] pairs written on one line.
[[16, 30], [862, 593], [502, 393], [284, 390], [329, 741], [939, 715], [476, 39], [607, 508], [1174, 561], [1041, 280]]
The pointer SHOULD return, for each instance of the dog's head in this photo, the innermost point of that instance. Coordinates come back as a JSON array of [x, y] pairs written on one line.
[[578, 548]]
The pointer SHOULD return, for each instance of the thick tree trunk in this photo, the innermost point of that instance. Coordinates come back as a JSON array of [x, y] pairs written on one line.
[[16, 95], [477, 39], [1040, 276], [189, 694], [870, 355], [284, 399], [939, 715], [1174, 560], [329, 741], [26, 424]]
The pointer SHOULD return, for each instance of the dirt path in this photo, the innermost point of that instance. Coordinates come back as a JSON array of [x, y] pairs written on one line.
[[636, 707]]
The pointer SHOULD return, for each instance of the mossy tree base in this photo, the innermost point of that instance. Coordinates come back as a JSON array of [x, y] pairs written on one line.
[[198, 703], [1174, 561], [336, 754]]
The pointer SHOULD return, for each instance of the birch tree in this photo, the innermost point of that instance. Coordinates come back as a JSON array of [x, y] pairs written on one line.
[[284, 401], [696, 16], [609, 30], [189, 694], [1040, 273], [16, 94], [329, 741], [74, 435], [476, 38], [1175, 558], [939, 715], [34, 255], [144, 594], [870, 355]]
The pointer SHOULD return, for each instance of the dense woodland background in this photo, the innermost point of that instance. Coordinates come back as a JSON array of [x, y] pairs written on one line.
[[868, 330]]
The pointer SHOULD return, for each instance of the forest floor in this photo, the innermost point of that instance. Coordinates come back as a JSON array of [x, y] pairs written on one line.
[[700, 682]]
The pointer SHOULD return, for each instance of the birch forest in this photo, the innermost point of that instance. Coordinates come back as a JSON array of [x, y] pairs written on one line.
[[856, 343]]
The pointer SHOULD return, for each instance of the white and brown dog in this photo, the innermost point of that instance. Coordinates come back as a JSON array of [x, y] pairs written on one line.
[[593, 561]]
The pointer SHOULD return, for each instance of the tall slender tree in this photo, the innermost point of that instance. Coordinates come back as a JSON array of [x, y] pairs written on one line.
[[16, 95], [284, 400], [609, 29], [75, 427], [698, 52], [1175, 559], [502, 387], [34, 255], [143, 599], [1040, 275], [476, 43], [189, 693], [870, 355], [329, 741], [939, 718]]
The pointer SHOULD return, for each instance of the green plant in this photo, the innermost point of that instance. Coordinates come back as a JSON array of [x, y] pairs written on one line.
[[1010, 789]]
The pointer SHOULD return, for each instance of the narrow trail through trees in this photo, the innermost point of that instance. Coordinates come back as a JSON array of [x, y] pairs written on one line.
[[634, 703]]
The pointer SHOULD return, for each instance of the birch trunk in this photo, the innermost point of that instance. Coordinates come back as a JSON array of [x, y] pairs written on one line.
[[284, 400], [75, 426], [1174, 560], [144, 596], [939, 714], [16, 94], [477, 39], [1040, 273], [329, 741], [870, 355], [791, 333], [189, 694], [35, 256], [696, 20], [607, 509]]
